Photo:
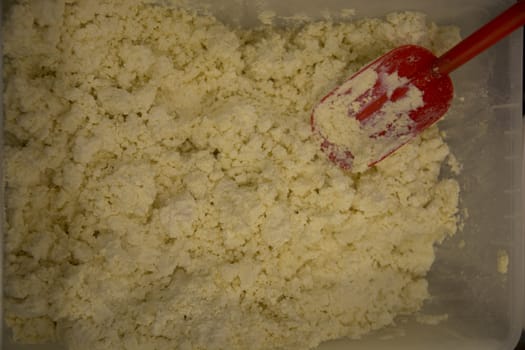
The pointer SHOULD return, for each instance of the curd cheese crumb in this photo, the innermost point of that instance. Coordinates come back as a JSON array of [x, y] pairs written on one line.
[[165, 191], [503, 262]]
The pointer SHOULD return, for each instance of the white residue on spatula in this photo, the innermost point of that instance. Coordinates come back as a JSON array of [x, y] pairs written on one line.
[[392, 81], [335, 117]]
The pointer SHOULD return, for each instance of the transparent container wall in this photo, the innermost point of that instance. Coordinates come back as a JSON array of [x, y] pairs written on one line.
[[484, 131]]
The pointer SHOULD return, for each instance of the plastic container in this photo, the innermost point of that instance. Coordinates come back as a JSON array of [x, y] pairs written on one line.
[[485, 308]]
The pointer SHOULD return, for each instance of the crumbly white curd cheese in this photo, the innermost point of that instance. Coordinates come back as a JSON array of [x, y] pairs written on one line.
[[165, 190]]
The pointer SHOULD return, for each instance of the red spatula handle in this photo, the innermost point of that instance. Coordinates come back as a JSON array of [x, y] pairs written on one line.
[[483, 38]]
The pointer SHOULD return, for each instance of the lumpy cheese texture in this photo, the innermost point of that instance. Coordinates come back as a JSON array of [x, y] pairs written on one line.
[[165, 190]]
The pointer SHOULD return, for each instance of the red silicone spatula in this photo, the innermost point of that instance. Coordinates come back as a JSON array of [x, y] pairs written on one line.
[[397, 96]]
